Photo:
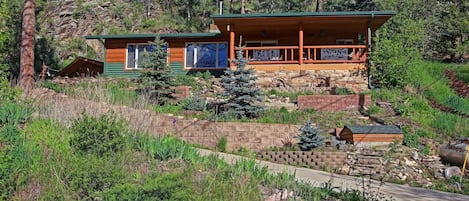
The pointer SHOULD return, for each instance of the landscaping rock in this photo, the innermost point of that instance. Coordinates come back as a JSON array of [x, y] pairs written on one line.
[[452, 171]]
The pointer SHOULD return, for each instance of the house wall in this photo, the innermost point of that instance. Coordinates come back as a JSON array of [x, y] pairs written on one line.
[[114, 64]]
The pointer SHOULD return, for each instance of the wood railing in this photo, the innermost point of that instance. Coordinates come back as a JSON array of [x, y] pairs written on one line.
[[271, 54], [311, 54], [335, 54]]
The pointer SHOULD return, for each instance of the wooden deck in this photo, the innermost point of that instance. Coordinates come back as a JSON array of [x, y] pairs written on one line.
[[297, 67]]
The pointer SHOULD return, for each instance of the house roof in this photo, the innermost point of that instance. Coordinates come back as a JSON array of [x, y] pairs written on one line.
[[164, 35], [82, 66], [376, 129], [305, 14], [355, 21]]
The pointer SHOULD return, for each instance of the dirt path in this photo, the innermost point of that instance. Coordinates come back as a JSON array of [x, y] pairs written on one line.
[[316, 177]]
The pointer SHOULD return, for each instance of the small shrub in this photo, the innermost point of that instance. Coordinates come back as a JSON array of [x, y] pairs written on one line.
[[98, 135], [194, 103], [14, 113], [310, 137], [342, 91], [411, 140], [92, 174], [222, 143], [172, 186], [52, 86], [426, 149], [373, 110]]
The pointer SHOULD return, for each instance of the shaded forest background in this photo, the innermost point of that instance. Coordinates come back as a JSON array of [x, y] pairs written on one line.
[[420, 30]]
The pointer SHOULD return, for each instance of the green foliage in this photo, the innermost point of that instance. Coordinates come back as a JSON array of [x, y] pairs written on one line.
[[14, 113], [310, 137], [171, 186], [342, 91], [222, 143], [411, 139], [194, 103], [240, 91], [164, 148], [293, 96], [373, 110], [98, 135], [156, 81], [93, 174]]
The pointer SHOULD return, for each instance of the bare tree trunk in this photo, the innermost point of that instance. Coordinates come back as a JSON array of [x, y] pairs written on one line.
[[26, 78], [243, 6], [319, 5]]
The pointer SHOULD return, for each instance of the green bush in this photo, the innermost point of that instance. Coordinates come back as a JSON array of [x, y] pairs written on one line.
[[14, 113], [98, 135], [13, 161], [373, 110], [89, 175], [222, 143], [411, 140], [172, 186]]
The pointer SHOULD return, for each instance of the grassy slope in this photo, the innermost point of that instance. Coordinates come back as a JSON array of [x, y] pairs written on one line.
[[429, 83], [147, 169]]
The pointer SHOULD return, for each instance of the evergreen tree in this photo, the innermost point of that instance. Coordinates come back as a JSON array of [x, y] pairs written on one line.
[[310, 137], [156, 81], [240, 91]]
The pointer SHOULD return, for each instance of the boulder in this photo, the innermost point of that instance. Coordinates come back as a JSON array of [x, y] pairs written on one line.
[[452, 171]]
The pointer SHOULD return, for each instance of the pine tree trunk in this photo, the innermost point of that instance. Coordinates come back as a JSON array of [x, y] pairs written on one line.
[[26, 78]]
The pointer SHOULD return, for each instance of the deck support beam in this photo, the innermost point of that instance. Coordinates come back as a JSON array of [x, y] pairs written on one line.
[[232, 45], [300, 44]]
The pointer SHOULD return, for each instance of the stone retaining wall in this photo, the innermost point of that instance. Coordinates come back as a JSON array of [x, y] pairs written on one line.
[[254, 136], [314, 80], [333, 103], [312, 159]]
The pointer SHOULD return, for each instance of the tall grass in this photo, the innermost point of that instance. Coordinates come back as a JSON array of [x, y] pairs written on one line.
[[428, 79]]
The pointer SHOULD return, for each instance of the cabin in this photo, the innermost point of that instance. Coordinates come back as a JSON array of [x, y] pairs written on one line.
[[301, 48], [375, 134], [82, 67]]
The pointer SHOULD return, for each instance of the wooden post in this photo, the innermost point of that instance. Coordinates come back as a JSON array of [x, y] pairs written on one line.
[[300, 44], [232, 46]]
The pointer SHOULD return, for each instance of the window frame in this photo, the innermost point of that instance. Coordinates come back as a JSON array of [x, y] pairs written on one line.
[[195, 55], [136, 55]]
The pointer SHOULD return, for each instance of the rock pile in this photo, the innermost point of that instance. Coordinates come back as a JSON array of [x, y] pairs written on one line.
[[413, 167]]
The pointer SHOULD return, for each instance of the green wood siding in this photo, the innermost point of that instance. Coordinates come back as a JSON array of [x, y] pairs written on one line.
[[177, 68], [117, 70]]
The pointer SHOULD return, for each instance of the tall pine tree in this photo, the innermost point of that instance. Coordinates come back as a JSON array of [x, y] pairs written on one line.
[[240, 91], [156, 81]]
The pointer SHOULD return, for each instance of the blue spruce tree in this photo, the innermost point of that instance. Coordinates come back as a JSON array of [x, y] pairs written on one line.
[[310, 137], [240, 91]]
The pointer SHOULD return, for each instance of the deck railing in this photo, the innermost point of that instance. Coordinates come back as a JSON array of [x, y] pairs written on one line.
[[271, 54], [335, 54], [311, 54]]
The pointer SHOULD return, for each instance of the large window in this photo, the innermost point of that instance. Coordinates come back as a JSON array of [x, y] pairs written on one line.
[[137, 54], [206, 55]]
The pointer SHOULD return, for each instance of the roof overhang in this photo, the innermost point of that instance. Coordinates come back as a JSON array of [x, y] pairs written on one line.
[[163, 36], [335, 21]]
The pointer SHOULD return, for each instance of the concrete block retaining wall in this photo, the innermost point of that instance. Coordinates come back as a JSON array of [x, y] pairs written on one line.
[[312, 159], [254, 136]]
